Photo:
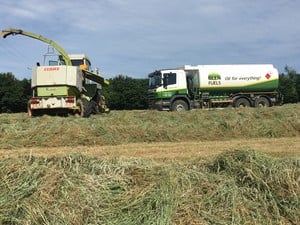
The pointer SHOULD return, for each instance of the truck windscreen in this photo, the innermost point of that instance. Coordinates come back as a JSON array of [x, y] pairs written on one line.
[[155, 80]]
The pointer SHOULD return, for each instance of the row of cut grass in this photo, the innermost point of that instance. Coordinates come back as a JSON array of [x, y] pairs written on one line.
[[237, 187], [123, 127]]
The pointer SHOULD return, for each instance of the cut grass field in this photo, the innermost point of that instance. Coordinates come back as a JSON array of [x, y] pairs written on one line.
[[231, 166], [126, 127]]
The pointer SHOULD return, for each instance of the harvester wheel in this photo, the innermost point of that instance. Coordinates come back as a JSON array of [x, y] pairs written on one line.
[[84, 109], [30, 111]]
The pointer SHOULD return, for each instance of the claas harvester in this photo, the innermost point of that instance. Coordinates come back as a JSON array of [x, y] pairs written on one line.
[[64, 84]]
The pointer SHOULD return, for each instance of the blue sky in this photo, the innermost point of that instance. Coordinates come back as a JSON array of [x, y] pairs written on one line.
[[134, 37]]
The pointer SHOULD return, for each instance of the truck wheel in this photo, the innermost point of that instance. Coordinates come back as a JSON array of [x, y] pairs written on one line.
[[179, 105], [241, 102], [262, 102]]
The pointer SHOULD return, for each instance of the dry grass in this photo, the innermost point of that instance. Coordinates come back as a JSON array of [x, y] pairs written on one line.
[[237, 187]]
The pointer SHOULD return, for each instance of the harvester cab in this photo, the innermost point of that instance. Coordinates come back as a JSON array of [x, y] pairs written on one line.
[[80, 60]]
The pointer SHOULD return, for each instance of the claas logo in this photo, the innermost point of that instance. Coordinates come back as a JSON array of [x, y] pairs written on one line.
[[214, 76]]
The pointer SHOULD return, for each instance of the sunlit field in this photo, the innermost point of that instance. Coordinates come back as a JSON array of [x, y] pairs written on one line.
[[229, 166]]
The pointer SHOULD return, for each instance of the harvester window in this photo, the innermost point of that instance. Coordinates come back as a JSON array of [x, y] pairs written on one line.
[[87, 62], [53, 63], [82, 63], [77, 62]]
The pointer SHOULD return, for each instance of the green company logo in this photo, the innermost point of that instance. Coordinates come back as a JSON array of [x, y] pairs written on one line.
[[214, 79], [214, 76]]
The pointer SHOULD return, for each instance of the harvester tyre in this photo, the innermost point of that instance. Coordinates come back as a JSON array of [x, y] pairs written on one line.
[[31, 112], [84, 107]]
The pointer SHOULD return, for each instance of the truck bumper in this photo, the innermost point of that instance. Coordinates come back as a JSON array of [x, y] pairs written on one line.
[[162, 105]]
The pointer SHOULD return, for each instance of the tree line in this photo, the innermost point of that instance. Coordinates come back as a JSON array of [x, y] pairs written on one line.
[[289, 86], [123, 92], [14, 93]]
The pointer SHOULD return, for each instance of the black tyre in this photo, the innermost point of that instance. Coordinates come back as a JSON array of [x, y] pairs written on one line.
[[94, 107], [85, 109], [179, 105], [262, 102], [241, 102]]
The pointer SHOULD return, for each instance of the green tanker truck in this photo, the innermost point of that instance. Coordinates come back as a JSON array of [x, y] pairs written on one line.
[[205, 86]]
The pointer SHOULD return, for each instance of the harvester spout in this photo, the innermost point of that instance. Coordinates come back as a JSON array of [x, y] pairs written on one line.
[[7, 32]]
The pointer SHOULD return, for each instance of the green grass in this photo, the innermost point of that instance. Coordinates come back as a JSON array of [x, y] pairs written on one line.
[[237, 187], [122, 127]]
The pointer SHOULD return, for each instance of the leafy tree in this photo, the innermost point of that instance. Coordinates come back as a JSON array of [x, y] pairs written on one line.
[[289, 86], [124, 92], [27, 92], [13, 97], [297, 80]]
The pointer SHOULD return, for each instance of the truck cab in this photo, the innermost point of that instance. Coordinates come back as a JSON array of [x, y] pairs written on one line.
[[168, 90]]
